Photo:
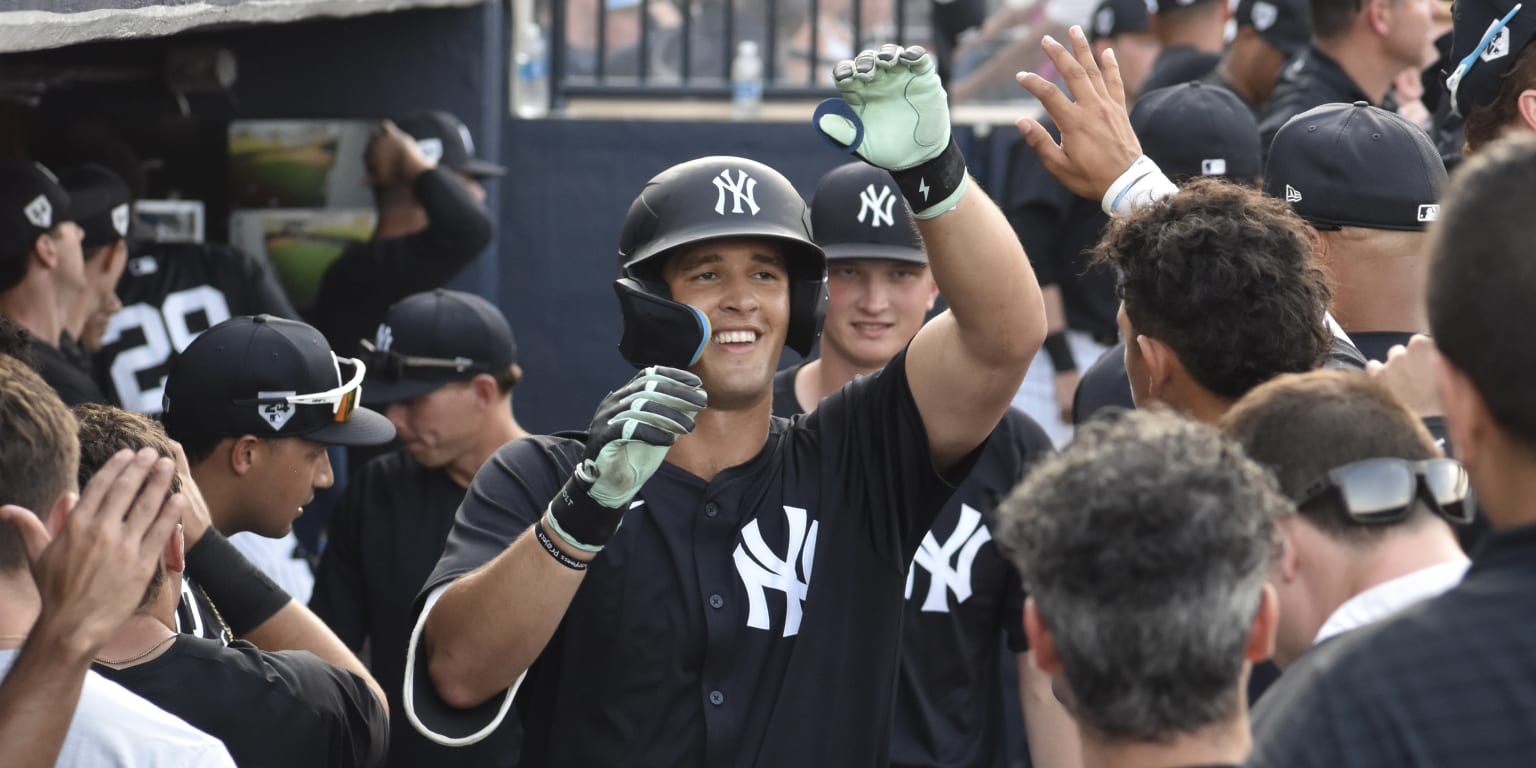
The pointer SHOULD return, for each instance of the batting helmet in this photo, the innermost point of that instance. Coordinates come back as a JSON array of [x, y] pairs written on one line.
[[707, 199]]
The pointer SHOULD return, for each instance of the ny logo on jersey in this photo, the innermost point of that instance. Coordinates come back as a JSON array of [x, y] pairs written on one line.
[[967, 538], [276, 414], [761, 570], [877, 205], [742, 190]]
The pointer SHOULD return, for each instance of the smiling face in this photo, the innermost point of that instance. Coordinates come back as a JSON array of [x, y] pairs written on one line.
[[742, 286], [874, 307]]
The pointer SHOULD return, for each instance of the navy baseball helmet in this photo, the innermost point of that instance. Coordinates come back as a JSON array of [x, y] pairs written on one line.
[[707, 199]]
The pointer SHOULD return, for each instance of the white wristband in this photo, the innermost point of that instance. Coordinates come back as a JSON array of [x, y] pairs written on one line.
[[1139, 185]]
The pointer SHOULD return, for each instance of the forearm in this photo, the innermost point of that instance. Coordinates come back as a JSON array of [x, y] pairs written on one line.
[[457, 223], [490, 625], [296, 628], [1051, 732], [39, 695]]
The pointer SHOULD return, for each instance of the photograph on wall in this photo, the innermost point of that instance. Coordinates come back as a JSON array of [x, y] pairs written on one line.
[[169, 221], [300, 244], [298, 164]]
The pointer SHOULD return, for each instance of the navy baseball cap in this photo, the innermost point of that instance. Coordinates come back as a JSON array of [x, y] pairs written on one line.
[[1118, 17], [32, 202], [435, 338], [1153, 6], [1354, 165], [858, 213], [269, 377], [445, 140], [1487, 37], [100, 201], [1285, 24], [1195, 129]]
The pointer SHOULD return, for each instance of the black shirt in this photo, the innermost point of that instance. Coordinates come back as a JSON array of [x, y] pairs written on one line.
[[71, 381], [1311, 79], [1450, 681], [1177, 65], [1059, 231], [963, 597], [270, 709], [385, 537], [1375, 344], [1214, 78], [360, 285], [171, 292], [753, 620]]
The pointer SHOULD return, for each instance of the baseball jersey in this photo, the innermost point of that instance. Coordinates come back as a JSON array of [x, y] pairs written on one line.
[[385, 538], [171, 292], [1311, 79], [752, 620], [72, 383], [963, 597]]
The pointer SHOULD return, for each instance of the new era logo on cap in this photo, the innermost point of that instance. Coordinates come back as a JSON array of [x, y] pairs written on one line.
[[1214, 166], [1291, 195], [39, 212], [1429, 212]]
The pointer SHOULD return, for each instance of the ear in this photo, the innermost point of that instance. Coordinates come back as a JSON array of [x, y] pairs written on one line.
[[1289, 562], [1261, 636], [1040, 640], [175, 555], [1466, 416], [242, 454], [933, 292], [484, 388], [46, 252], [1378, 14], [59, 513], [1525, 103], [1319, 244], [1160, 363]]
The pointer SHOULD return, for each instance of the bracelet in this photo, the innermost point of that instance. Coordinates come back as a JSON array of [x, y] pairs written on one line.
[[1060, 352], [578, 519], [1139, 185], [554, 551], [245, 596], [934, 188]]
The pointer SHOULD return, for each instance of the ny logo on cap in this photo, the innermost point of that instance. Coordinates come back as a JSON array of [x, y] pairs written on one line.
[[275, 414], [39, 212], [1430, 212], [742, 190], [1498, 47], [877, 205], [432, 149], [383, 338], [1264, 16], [1215, 166], [1291, 195], [120, 219]]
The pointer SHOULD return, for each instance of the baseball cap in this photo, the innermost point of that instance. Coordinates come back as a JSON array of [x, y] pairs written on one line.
[[269, 377], [1118, 17], [100, 202], [1195, 129], [857, 213], [1353, 165], [434, 338], [1285, 24], [445, 140], [31, 203], [1486, 38], [1154, 5]]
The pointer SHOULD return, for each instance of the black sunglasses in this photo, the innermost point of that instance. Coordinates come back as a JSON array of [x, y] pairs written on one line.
[[390, 364], [1381, 491]]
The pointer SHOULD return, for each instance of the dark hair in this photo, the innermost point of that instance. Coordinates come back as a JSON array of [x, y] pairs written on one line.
[[1331, 18], [1486, 123], [15, 341], [1302, 425], [38, 451], [1225, 277], [1145, 545], [105, 430], [507, 378], [1482, 280], [198, 444]]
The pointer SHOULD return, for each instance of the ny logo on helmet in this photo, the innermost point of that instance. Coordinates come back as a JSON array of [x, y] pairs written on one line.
[[742, 190], [877, 205]]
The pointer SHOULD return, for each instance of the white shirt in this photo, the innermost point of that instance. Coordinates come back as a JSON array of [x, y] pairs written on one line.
[[114, 727], [1389, 597], [276, 558]]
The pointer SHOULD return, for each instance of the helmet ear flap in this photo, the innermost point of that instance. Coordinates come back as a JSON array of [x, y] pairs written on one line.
[[807, 309], [658, 330]]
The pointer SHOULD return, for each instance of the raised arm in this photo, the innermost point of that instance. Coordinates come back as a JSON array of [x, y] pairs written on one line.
[[966, 364]]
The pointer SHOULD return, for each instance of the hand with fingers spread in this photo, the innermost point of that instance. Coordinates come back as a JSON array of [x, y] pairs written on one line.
[[896, 94], [629, 437], [92, 576], [1412, 373], [1099, 156]]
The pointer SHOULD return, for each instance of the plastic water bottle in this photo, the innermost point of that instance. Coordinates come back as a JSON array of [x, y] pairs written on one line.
[[746, 82], [530, 91]]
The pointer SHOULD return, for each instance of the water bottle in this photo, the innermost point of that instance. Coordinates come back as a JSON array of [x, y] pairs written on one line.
[[746, 82], [530, 91]]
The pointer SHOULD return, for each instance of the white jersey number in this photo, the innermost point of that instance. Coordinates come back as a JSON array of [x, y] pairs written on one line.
[[166, 331]]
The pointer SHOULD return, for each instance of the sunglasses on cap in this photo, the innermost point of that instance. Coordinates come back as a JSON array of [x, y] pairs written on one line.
[[390, 364], [1453, 81], [343, 399], [1382, 491]]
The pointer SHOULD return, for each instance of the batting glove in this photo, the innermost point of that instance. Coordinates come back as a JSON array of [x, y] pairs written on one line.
[[629, 437], [896, 94]]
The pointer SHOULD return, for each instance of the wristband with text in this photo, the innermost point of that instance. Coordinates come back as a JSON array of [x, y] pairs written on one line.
[[553, 550], [578, 519]]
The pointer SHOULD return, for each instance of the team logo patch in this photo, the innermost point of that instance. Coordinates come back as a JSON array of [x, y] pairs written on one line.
[[432, 149], [877, 205], [275, 414], [1498, 47], [960, 549], [1214, 166], [1264, 16], [120, 219], [743, 191], [383, 338], [1291, 195], [1104, 22], [39, 212], [1429, 212]]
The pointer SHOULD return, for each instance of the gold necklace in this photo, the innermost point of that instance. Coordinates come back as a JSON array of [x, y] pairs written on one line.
[[148, 651]]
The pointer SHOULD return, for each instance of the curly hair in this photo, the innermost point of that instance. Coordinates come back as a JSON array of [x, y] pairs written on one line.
[[1226, 278]]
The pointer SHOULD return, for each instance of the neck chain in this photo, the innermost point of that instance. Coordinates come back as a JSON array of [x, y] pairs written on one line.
[[147, 651]]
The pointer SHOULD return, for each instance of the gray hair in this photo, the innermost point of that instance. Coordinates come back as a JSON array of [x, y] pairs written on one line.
[[1145, 546]]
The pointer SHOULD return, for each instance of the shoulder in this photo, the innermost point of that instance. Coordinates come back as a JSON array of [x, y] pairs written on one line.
[[113, 723]]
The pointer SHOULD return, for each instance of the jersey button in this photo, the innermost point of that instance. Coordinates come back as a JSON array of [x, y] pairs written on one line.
[[716, 698], [711, 509], [716, 601]]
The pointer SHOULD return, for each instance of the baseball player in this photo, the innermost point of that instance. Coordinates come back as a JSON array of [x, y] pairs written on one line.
[[748, 610]]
